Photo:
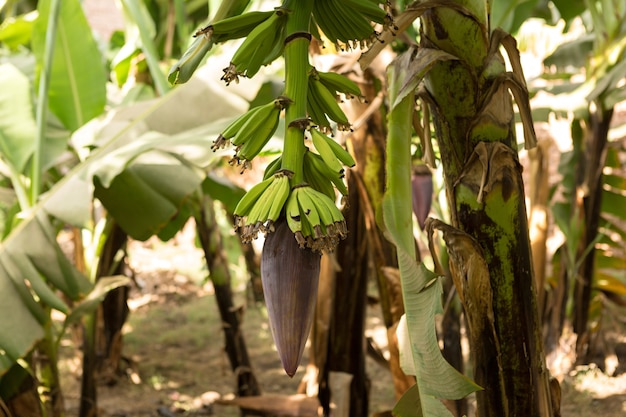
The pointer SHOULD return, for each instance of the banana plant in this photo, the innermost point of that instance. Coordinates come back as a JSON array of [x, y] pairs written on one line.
[[588, 217], [298, 191], [457, 72]]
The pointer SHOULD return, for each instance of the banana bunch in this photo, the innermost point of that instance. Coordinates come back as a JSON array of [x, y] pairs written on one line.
[[324, 170], [314, 219], [322, 98], [261, 206], [348, 22], [263, 44], [250, 132]]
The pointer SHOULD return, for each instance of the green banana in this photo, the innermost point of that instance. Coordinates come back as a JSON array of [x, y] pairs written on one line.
[[339, 83], [294, 219], [317, 181], [326, 217], [330, 23], [249, 198], [314, 108], [332, 208], [329, 103], [370, 10], [262, 119], [250, 56], [278, 200], [320, 141], [308, 208], [234, 27], [360, 27], [348, 24], [258, 213], [319, 168], [251, 147], [340, 152], [232, 129]]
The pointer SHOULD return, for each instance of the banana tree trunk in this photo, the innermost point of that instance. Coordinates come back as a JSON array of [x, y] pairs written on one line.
[[346, 343], [210, 239], [594, 158], [468, 96]]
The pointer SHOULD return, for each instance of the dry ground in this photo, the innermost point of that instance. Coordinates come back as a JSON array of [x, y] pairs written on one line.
[[178, 366]]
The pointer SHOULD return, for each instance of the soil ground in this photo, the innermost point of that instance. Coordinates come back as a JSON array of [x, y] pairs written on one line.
[[177, 365]]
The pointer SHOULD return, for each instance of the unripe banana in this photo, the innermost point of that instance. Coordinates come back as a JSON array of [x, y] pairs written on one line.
[[309, 210], [326, 217], [317, 181], [294, 219], [233, 128], [234, 27], [318, 167], [259, 138], [249, 198], [258, 213], [290, 280], [315, 109], [258, 119], [341, 23], [255, 48], [341, 153], [322, 145], [278, 199], [339, 83], [370, 10], [329, 103]]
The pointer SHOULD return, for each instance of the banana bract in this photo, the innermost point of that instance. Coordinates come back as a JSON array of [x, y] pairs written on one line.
[[290, 278]]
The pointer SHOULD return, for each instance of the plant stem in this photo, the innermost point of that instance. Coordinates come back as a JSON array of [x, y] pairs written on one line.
[[296, 82], [42, 101]]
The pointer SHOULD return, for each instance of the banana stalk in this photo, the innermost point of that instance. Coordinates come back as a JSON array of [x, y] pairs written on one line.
[[296, 84], [469, 98]]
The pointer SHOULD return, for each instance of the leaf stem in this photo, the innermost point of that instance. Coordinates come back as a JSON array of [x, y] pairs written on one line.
[[42, 101]]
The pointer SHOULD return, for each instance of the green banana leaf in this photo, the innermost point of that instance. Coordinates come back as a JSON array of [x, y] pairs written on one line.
[[143, 28], [77, 78], [509, 15], [29, 254], [17, 31], [148, 194], [163, 148], [421, 288], [17, 124]]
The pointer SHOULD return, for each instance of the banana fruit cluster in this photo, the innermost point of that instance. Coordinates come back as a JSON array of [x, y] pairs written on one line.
[[348, 22], [323, 94], [263, 44], [315, 219], [259, 209], [250, 132]]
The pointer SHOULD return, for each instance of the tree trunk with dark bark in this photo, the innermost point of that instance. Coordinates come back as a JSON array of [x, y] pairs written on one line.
[[235, 346]]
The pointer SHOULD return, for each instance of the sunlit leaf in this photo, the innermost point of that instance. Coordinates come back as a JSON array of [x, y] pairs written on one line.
[[77, 77], [17, 31], [17, 124], [611, 281]]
